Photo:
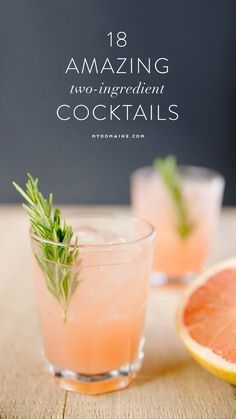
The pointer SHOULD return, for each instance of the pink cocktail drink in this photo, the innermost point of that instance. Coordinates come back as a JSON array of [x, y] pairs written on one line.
[[98, 347], [176, 256]]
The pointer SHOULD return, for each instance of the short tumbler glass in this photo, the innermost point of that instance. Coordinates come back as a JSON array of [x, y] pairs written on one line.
[[177, 258], [99, 346]]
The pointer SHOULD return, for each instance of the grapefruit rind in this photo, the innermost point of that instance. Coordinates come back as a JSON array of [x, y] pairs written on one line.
[[205, 356]]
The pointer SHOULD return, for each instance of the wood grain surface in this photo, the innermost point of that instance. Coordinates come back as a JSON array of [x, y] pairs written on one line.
[[170, 385]]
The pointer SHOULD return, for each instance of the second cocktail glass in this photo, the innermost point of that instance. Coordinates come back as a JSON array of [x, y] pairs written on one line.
[[180, 250]]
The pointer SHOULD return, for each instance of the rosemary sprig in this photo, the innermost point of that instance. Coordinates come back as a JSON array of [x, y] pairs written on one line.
[[168, 170], [57, 262]]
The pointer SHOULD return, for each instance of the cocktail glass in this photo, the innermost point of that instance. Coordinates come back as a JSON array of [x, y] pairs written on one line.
[[177, 258], [99, 346]]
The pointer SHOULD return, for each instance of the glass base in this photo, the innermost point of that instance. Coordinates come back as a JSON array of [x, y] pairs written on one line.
[[160, 278], [98, 383]]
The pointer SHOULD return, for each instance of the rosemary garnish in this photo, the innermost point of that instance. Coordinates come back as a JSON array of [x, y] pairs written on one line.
[[56, 262], [168, 170]]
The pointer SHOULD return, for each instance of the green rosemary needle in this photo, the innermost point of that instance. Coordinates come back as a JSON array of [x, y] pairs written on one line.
[[168, 170], [57, 261]]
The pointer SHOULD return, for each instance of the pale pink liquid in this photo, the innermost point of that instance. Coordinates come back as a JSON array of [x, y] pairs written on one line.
[[105, 315], [151, 201]]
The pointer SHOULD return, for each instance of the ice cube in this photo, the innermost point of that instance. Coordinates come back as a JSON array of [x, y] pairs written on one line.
[[119, 239], [88, 235]]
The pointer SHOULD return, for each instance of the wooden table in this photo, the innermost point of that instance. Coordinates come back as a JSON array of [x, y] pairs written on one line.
[[170, 385]]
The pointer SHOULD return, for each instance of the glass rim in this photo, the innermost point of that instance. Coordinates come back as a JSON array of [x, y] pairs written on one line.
[[101, 246], [187, 170]]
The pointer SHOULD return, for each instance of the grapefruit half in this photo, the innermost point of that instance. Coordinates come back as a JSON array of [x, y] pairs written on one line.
[[206, 320]]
